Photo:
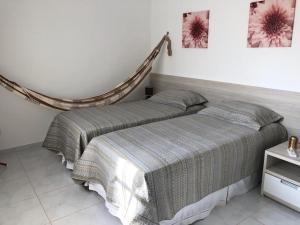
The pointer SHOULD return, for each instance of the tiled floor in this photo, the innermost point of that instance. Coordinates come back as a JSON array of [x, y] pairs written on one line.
[[36, 189]]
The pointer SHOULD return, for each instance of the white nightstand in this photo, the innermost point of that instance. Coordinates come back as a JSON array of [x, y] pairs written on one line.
[[281, 176]]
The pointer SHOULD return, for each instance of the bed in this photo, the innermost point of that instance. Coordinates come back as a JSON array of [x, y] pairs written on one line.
[[175, 171], [70, 132]]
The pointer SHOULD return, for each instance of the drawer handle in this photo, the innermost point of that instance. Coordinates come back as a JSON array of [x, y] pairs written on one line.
[[289, 184]]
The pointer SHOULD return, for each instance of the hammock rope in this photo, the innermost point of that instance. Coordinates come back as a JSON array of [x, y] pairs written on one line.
[[110, 97]]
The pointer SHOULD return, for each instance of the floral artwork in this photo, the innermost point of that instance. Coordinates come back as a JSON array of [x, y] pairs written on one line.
[[195, 29], [271, 23]]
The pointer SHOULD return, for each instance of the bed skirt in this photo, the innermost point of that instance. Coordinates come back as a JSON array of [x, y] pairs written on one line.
[[194, 212], [191, 213], [68, 164]]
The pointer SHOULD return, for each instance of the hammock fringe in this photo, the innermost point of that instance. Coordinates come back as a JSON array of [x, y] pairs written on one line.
[[110, 97]]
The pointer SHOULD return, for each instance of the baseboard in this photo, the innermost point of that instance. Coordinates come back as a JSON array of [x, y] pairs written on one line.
[[23, 147]]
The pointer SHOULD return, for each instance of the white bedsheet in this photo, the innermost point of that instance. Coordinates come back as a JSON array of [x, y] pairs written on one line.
[[69, 165], [196, 211]]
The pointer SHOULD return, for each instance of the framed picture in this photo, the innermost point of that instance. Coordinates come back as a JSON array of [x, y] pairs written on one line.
[[271, 23], [195, 26]]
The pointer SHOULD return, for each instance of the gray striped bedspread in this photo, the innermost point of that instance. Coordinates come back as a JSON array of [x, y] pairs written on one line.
[[152, 171], [70, 132]]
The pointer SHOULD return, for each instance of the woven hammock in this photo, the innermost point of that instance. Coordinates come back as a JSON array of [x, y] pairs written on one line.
[[111, 97]]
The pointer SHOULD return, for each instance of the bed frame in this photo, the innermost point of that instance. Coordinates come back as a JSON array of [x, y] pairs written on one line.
[[286, 103]]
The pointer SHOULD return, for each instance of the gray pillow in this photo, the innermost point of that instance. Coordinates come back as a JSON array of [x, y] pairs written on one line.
[[243, 113], [179, 98]]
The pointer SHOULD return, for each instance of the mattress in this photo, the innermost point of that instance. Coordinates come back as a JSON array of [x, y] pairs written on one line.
[[151, 172], [70, 132]]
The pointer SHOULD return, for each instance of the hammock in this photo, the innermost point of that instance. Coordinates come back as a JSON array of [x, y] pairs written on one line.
[[111, 97]]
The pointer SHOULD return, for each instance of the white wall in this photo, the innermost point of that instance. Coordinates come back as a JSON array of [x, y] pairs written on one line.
[[65, 48], [227, 58], [79, 48]]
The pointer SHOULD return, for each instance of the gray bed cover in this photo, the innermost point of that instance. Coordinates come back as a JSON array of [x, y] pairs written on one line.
[[70, 132], [152, 171]]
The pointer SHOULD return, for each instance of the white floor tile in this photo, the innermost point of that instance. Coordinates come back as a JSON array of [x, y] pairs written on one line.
[[211, 220], [68, 200], [28, 212], [38, 157], [45, 170], [14, 169], [231, 214], [46, 180], [251, 202], [96, 215], [15, 191], [276, 214], [250, 221]]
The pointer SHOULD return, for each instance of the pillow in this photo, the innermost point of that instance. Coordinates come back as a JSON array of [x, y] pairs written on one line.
[[243, 113], [178, 98], [195, 108]]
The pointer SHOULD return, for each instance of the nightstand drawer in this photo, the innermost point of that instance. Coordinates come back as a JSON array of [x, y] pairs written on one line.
[[282, 190]]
